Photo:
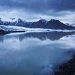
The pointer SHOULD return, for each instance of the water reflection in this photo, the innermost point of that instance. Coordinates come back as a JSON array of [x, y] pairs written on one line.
[[34, 53], [40, 35]]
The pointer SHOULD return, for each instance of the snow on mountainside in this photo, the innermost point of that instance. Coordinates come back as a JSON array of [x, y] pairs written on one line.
[[41, 24], [18, 28], [11, 28], [9, 19]]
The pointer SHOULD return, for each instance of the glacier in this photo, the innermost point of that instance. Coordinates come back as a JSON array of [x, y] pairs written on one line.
[[19, 28]]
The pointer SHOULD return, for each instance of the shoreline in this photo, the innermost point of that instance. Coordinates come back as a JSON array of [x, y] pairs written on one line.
[[67, 68]]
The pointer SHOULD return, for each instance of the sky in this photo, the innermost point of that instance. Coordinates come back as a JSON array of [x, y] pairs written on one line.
[[31, 10]]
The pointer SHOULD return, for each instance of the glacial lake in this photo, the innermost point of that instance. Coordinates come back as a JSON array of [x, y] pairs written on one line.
[[35, 53]]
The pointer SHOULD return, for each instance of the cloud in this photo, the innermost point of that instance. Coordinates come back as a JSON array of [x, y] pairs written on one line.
[[36, 9], [39, 5]]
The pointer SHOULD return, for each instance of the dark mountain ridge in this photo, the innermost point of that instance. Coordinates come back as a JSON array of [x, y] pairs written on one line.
[[42, 23]]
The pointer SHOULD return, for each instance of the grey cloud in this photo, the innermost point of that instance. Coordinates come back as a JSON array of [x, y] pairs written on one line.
[[39, 5]]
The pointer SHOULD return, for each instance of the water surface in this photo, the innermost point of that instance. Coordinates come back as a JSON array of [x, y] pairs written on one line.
[[35, 53]]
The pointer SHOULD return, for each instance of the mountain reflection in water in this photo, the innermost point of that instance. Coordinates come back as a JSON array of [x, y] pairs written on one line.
[[40, 35], [35, 53]]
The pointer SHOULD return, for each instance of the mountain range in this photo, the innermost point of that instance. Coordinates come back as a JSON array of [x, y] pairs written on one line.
[[42, 23]]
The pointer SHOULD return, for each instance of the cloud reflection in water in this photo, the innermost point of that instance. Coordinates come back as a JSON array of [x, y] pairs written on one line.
[[33, 56]]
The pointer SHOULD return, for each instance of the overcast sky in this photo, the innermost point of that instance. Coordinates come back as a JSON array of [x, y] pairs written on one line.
[[31, 10]]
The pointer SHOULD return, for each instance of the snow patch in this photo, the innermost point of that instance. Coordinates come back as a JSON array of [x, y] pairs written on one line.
[[19, 28]]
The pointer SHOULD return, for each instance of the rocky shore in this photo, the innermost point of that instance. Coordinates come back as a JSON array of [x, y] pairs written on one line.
[[66, 68]]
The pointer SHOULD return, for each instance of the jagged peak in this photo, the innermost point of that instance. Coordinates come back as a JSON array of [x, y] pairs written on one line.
[[54, 20], [20, 20], [43, 20]]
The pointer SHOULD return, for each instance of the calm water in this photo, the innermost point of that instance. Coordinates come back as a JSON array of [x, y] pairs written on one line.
[[35, 53]]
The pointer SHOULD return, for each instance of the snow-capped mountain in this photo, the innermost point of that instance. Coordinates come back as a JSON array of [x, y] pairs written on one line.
[[12, 28], [52, 24], [14, 22], [8, 19], [56, 24]]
